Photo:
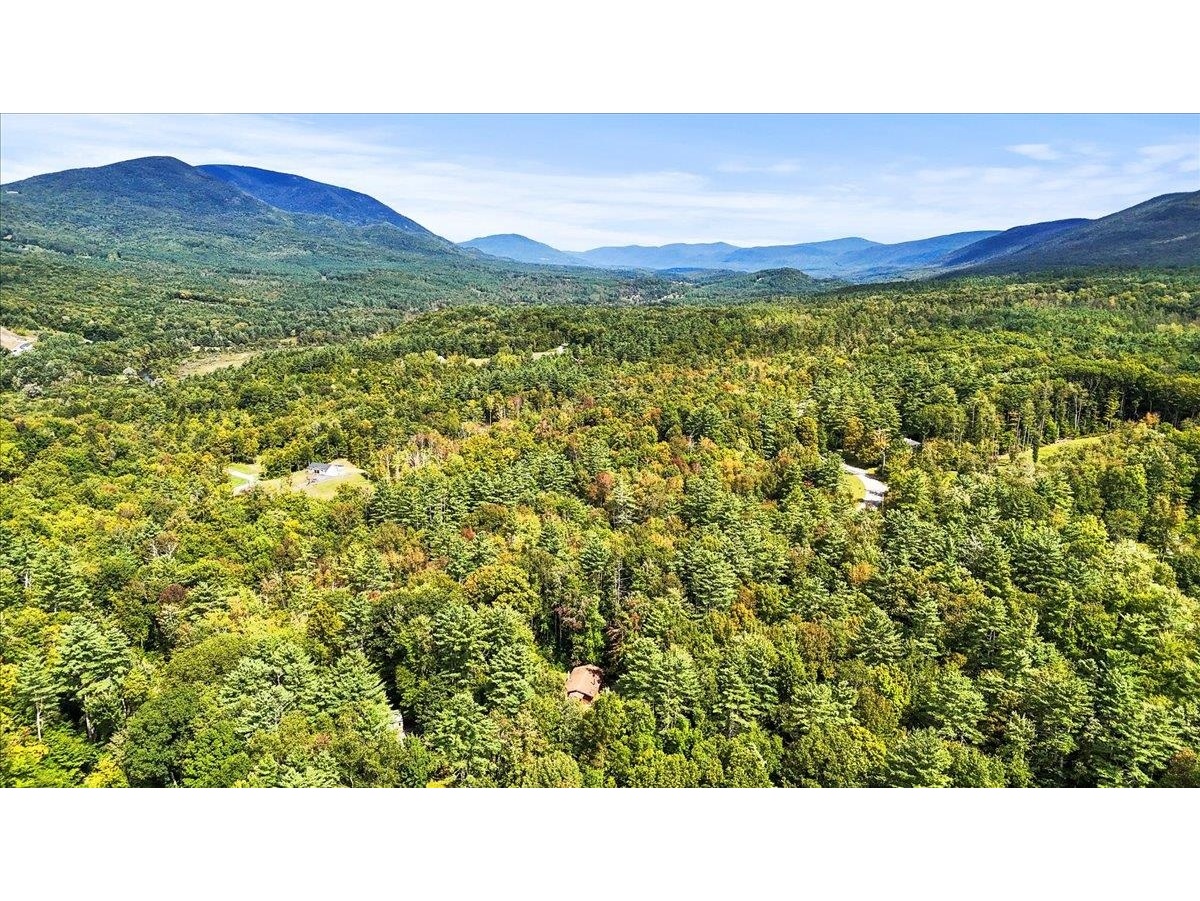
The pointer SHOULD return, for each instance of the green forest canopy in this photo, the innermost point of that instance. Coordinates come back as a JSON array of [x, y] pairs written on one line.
[[663, 500]]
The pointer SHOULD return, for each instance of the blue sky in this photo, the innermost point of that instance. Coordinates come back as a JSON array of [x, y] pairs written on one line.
[[580, 181]]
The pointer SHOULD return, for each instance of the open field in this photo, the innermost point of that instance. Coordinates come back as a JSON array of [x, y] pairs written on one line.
[[553, 352], [1049, 451], [246, 475], [13, 342], [536, 355], [858, 490], [202, 365], [325, 489]]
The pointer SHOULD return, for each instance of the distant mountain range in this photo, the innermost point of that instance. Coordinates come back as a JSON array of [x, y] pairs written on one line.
[[163, 209], [1164, 231]]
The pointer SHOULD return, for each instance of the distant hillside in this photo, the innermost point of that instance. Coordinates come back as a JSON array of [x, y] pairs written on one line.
[[522, 250], [818, 257], [150, 184], [1010, 241], [1160, 232], [162, 209], [842, 258], [763, 283], [906, 258], [669, 256], [295, 194], [1163, 231], [856, 258]]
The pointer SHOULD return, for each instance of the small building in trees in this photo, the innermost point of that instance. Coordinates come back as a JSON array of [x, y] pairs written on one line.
[[318, 472], [583, 684]]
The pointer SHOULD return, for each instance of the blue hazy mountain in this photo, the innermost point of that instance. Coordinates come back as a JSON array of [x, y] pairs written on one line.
[[668, 256], [817, 257], [907, 257], [846, 258], [296, 194], [522, 250], [1163, 231], [1010, 241]]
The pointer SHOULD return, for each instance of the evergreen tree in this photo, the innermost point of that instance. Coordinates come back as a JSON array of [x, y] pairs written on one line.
[[735, 705], [94, 657], [55, 582], [920, 760], [36, 691], [950, 703], [465, 738], [877, 641], [457, 644], [711, 581]]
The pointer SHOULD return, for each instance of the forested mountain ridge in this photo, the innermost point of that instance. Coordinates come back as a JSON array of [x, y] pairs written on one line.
[[296, 194], [760, 284], [1009, 241], [663, 500], [160, 209], [156, 259], [907, 258], [1163, 231]]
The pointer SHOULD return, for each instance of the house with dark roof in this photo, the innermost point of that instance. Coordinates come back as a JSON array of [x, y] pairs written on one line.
[[318, 472]]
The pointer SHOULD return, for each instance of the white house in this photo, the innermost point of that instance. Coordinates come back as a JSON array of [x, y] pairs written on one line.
[[318, 472]]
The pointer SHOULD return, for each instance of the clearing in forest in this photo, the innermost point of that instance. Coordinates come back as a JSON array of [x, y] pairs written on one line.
[[858, 491], [536, 355], [246, 476], [202, 365], [867, 491], [1047, 451], [15, 343]]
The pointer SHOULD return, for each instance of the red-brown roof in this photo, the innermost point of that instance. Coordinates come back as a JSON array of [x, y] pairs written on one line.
[[584, 682]]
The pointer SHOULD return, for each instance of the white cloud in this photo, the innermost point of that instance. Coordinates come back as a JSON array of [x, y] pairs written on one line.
[[780, 167], [1042, 152], [1157, 156]]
